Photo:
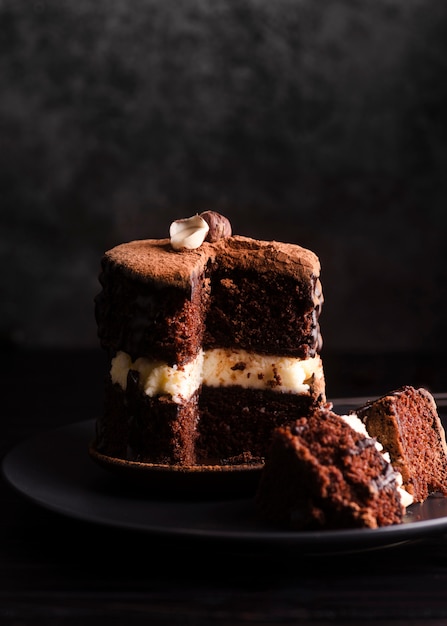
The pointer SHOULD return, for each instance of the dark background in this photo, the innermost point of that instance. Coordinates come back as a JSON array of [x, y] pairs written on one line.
[[319, 123]]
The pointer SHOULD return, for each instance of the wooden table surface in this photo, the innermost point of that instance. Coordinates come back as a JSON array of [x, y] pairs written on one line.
[[55, 570]]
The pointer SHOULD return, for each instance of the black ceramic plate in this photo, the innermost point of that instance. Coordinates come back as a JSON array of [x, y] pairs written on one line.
[[55, 470]]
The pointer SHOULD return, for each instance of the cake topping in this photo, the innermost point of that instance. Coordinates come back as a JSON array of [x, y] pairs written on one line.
[[188, 233], [191, 232], [220, 227]]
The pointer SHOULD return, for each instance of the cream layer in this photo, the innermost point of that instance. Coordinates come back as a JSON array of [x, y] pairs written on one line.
[[219, 368], [356, 423]]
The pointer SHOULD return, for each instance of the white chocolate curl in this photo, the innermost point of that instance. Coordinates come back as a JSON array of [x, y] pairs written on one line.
[[188, 233]]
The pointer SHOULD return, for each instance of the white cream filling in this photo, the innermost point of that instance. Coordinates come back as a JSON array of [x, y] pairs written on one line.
[[158, 378], [223, 367], [356, 423], [219, 368]]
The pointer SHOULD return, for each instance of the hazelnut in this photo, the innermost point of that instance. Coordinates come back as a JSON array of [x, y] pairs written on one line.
[[219, 226]]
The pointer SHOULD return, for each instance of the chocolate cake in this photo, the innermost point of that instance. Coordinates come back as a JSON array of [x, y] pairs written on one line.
[[321, 472], [213, 341], [407, 424]]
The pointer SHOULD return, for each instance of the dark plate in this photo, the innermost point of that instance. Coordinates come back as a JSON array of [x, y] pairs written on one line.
[[55, 470]]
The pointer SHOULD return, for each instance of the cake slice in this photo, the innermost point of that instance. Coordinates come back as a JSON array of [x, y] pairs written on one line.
[[407, 424], [323, 473]]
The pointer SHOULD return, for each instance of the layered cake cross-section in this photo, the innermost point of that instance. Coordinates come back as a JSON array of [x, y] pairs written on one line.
[[324, 471], [360, 470], [214, 341], [407, 423]]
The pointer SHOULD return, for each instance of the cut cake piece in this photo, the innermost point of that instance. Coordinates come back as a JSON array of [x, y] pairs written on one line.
[[323, 473], [407, 424]]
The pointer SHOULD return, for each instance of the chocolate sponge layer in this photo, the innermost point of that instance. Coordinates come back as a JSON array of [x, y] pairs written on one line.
[[214, 427], [259, 296]]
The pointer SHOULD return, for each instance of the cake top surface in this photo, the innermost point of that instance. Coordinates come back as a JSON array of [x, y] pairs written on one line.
[[155, 259], [339, 433], [402, 396]]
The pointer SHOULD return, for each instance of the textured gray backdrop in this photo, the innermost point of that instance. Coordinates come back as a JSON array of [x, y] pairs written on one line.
[[321, 123]]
